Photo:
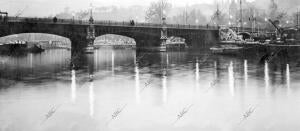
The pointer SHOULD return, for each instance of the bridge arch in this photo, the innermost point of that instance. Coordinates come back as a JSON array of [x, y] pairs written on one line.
[[141, 37], [113, 39], [46, 40]]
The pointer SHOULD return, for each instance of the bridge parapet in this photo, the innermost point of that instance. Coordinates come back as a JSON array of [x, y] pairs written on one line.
[[108, 23]]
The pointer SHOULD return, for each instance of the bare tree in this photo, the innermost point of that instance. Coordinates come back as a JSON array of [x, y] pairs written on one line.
[[193, 17], [157, 11], [82, 14]]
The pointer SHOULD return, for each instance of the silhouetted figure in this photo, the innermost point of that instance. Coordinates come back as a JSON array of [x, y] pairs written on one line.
[[132, 22], [54, 19]]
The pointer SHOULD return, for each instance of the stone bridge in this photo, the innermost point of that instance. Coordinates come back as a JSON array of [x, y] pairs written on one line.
[[145, 34]]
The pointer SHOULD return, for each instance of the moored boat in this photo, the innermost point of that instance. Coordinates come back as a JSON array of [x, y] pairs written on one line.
[[226, 49]]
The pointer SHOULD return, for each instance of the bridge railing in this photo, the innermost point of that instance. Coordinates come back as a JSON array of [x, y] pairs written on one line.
[[105, 22], [123, 23]]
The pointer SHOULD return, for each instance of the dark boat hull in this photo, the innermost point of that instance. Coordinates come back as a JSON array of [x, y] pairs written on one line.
[[19, 48]]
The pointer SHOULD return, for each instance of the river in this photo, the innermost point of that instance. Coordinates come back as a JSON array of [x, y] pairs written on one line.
[[126, 90]]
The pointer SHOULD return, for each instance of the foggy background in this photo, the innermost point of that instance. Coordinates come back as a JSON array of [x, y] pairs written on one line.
[[178, 12]]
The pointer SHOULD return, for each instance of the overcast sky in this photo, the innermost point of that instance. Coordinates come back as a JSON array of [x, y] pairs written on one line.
[[48, 7]]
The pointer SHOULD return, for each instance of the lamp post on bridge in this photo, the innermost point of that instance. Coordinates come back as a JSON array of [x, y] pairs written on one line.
[[164, 34], [90, 34]]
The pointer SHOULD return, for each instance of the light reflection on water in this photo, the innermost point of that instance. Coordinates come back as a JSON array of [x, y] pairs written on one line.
[[221, 89], [245, 73], [231, 78], [137, 83], [91, 98], [288, 81], [267, 79], [73, 86]]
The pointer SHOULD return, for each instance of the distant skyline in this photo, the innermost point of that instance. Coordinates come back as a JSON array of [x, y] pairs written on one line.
[[51, 7]]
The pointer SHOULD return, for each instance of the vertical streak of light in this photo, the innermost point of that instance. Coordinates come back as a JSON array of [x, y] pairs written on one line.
[[288, 82], [113, 63], [31, 60], [231, 78], [216, 70], [91, 98], [167, 60], [197, 74], [246, 73], [164, 87], [96, 59], [267, 79], [73, 87], [137, 83]]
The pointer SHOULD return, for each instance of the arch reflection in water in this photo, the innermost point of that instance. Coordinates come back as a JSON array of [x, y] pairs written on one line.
[[246, 73], [267, 78], [91, 98], [231, 78], [73, 86]]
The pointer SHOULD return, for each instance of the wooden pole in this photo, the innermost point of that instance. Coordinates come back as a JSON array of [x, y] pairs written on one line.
[[241, 13]]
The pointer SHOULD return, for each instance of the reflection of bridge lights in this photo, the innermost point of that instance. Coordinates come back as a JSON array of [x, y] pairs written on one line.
[[266, 71], [91, 98], [137, 83], [288, 82], [231, 78], [246, 72], [164, 88], [230, 16], [73, 86]]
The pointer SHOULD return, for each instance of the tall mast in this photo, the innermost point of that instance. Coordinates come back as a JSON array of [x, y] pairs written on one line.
[[297, 18], [241, 13]]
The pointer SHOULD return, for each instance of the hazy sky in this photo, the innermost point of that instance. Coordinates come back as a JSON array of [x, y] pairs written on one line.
[[48, 7]]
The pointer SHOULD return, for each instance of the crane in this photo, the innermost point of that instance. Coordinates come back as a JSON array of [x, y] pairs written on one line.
[[274, 23]]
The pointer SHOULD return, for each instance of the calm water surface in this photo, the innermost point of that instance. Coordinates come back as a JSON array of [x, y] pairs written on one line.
[[136, 91]]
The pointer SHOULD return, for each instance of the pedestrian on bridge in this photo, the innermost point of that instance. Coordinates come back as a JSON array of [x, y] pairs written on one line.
[[55, 19]]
